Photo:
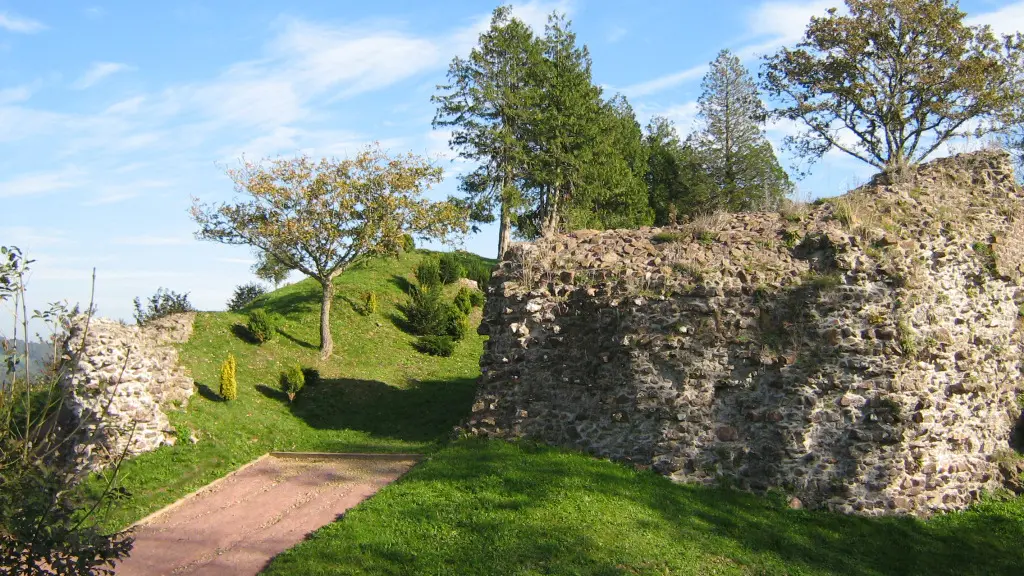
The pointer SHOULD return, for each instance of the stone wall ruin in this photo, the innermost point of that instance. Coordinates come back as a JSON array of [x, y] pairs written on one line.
[[862, 353]]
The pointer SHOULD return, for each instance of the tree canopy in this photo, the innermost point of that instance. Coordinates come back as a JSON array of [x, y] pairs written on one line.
[[893, 80], [322, 217]]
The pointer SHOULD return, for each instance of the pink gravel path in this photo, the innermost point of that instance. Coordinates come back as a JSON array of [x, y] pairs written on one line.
[[235, 525]]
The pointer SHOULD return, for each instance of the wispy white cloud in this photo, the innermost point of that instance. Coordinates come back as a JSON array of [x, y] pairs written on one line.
[[1006, 20], [662, 82], [14, 94], [30, 237], [153, 240], [39, 183], [615, 34], [20, 24], [98, 71]]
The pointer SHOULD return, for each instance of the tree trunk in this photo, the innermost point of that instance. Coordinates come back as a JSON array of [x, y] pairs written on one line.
[[326, 343], [504, 230]]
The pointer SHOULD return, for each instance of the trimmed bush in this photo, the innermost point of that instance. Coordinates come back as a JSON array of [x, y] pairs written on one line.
[[228, 382], [408, 243], [463, 300], [311, 376], [370, 304], [292, 380], [261, 326], [435, 345], [480, 273], [476, 298], [450, 268], [244, 295], [428, 273]]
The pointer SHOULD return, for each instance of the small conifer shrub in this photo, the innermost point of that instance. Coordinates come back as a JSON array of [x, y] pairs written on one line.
[[292, 380], [428, 274], [450, 268], [228, 382], [244, 295], [261, 326], [463, 300]]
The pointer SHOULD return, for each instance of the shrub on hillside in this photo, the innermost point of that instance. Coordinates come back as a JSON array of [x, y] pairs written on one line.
[[428, 273], [370, 304], [228, 381], [476, 298], [458, 325], [428, 314], [292, 380], [435, 345], [479, 273], [244, 295], [408, 243], [163, 303], [450, 268], [261, 326], [463, 300]]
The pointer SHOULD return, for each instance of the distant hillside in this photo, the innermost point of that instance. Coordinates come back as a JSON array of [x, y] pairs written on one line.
[[39, 353]]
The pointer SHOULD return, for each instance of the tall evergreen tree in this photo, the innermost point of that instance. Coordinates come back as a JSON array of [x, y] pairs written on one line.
[[732, 141], [486, 103], [563, 127]]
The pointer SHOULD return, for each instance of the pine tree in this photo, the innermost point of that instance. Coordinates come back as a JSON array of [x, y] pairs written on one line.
[[489, 95], [228, 383], [732, 143]]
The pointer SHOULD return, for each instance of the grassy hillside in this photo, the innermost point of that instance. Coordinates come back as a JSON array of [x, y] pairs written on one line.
[[377, 393]]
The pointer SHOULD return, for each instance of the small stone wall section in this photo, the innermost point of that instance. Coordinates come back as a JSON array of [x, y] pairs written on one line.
[[119, 385], [863, 355]]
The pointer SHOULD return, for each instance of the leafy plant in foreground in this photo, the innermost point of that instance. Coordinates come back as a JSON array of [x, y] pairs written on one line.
[[49, 523]]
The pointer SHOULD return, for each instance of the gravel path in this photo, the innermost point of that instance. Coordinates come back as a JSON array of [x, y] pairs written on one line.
[[235, 525]]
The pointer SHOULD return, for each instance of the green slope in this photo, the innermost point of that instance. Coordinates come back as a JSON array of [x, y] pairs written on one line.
[[377, 393]]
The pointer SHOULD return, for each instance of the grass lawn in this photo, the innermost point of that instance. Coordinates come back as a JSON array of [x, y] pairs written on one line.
[[377, 395], [479, 507]]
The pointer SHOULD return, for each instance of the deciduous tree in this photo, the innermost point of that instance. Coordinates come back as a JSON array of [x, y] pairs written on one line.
[[892, 80], [321, 218]]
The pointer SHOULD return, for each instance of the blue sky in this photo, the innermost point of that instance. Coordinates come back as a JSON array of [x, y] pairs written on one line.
[[113, 114]]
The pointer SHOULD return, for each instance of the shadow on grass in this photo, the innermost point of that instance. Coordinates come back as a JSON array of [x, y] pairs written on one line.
[[422, 412], [208, 393], [402, 283], [296, 341], [272, 393], [242, 333], [503, 498]]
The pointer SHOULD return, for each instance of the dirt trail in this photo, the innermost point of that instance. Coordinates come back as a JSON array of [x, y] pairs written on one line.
[[237, 524]]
